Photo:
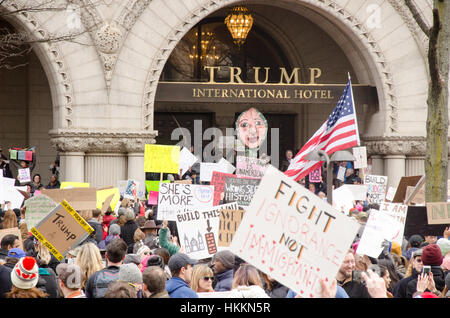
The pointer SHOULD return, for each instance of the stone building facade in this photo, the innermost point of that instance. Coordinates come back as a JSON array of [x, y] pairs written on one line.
[[93, 101]]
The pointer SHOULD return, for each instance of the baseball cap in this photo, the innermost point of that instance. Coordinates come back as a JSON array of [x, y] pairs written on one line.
[[16, 252], [179, 260]]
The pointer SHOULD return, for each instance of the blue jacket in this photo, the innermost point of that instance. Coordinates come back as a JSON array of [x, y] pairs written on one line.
[[178, 288], [224, 281]]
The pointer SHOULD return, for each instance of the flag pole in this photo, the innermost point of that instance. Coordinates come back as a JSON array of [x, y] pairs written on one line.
[[354, 109]]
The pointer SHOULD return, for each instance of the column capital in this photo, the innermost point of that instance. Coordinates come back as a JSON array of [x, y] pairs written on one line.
[[395, 145], [101, 141]]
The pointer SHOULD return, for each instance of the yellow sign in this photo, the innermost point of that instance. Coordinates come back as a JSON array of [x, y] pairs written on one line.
[[68, 185], [102, 195], [161, 158]]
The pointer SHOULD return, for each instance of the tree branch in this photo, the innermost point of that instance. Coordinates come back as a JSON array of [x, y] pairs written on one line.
[[418, 17]]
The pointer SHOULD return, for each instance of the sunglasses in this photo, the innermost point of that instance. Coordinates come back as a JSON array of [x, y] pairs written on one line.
[[208, 278]]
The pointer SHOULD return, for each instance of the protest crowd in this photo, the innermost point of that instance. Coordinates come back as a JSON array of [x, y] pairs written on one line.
[[133, 254]]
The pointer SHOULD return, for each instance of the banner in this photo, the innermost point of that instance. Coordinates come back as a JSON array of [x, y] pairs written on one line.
[[38, 207], [61, 230], [229, 223], [292, 235], [376, 188], [438, 213], [240, 190], [198, 230], [161, 158], [24, 175], [250, 167], [380, 227], [70, 185], [175, 198]]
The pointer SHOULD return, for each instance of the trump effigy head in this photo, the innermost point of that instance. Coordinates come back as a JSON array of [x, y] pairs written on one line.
[[252, 128]]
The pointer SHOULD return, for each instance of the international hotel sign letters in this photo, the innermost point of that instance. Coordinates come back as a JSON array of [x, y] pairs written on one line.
[[289, 90]]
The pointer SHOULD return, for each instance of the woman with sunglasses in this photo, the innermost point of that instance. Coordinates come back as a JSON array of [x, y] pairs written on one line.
[[202, 279]]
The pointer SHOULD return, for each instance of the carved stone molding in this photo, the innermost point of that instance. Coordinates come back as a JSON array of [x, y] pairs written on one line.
[[101, 141], [395, 145]]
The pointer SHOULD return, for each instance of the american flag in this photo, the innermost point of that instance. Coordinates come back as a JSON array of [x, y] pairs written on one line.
[[339, 132]]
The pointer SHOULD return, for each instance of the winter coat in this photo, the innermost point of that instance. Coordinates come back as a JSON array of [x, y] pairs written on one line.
[[163, 242], [5, 279], [48, 282], [224, 281], [97, 226], [127, 234], [399, 290], [102, 245], [439, 280], [178, 288], [253, 291]]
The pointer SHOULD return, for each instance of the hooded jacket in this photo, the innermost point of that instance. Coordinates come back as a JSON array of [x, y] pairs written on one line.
[[178, 288], [224, 281]]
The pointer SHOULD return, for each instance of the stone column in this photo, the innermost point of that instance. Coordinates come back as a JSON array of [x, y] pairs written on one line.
[[135, 169], [377, 165], [72, 166], [395, 168]]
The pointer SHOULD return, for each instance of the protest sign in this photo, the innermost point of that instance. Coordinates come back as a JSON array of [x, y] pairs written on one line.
[[175, 198], [187, 159], [162, 158], [292, 235], [419, 197], [360, 154], [79, 198], [61, 230], [315, 175], [218, 181], [12, 195], [380, 227], [5, 184], [24, 175], [229, 223], [207, 169], [240, 190], [198, 230], [70, 185], [221, 294], [390, 193], [397, 211], [103, 196], [438, 213], [228, 167], [153, 197], [417, 223], [341, 173], [250, 167], [376, 188], [183, 181], [14, 231], [38, 207], [402, 186], [345, 196]]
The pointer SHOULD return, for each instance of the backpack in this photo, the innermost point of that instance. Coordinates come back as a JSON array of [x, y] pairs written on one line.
[[102, 280]]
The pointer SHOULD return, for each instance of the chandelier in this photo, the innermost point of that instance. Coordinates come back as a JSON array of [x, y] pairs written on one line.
[[239, 22], [206, 49]]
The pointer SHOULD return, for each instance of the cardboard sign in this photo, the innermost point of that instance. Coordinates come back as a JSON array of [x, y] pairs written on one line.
[[218, 181], [315, 175], [379, 227], [198, 230], [14, 231], [250, 167], [24, 175], [61, 230], [376, 188], [419, 197], [111, 195], [175, 198], [71, 185], [187, 159], [161, 158], [79, 198], [38, 207], [240, 190], [438, 213], [400, 195], [417, 223], [341, 173], [11, 194], [229, 223], [345, 196], [360, 154], [292, 235]]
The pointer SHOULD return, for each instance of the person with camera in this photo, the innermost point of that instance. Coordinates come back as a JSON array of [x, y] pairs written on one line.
[[351, 280]]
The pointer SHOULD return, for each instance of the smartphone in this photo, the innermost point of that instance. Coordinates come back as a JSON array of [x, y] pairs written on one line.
[[426, 269]]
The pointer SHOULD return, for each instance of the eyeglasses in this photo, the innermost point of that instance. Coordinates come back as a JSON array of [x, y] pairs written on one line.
[[208, 278]]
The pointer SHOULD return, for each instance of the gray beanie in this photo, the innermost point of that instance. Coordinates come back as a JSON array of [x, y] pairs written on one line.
[[132, 258], [129, 215], [226, 258], [121, 211], [130, 273], [114, 229]]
